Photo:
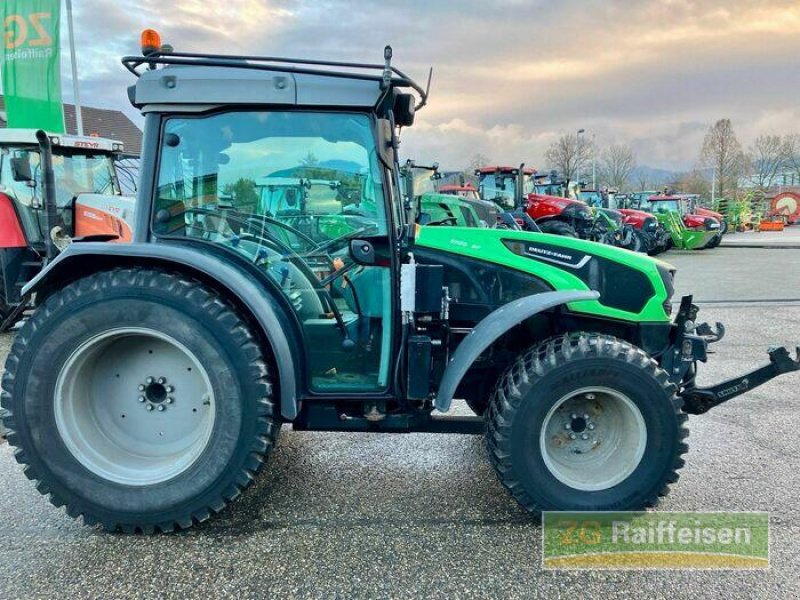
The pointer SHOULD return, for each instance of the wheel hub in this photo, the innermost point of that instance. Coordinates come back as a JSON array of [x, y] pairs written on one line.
[[593, 438], [95, 412], [155, 393]]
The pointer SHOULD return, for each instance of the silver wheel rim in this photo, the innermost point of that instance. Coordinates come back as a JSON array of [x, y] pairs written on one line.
[[593, 438], [134, 406]]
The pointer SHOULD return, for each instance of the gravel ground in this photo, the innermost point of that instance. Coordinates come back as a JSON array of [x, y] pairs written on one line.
[[362, 515]]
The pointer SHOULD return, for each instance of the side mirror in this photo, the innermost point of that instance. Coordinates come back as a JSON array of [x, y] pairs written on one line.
[[404, 107], [21, 169]]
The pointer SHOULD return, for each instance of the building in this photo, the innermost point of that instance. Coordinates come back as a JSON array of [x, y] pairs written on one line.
[[103, 122]]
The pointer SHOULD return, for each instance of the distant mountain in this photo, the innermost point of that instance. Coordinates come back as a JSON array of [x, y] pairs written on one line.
[[653, 176]]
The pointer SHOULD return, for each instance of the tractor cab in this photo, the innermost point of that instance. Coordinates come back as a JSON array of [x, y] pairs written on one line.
[[54, 188]]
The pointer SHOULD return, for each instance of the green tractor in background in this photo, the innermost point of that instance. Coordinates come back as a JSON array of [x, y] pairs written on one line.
[[668, 211], [433, 208], [151, 383]]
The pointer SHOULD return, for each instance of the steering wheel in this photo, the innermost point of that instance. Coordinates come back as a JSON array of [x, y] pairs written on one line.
[[266, 236]]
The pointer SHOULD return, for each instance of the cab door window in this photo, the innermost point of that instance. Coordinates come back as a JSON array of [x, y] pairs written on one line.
[[288, 191]]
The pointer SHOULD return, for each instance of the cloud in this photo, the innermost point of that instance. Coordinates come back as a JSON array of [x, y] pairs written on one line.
[[509, 76]]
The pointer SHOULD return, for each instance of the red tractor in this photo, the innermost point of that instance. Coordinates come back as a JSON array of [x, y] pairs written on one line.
[[513, 188], [701, 211], [653, 236]]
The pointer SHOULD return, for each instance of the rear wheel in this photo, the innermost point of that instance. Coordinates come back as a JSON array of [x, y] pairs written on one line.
[[140, 400], [558, 228], [586, 422]]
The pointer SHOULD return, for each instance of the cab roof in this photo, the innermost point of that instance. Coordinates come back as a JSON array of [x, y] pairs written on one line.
[[28, 137], [488, 170], [207, 80]]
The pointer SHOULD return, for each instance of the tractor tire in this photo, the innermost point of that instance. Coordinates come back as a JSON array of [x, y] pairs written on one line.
[[558, 228], [715, 241], [586, 422], [140, 400]]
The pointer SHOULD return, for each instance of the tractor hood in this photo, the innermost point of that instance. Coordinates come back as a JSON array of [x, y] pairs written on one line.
[[632, 286]]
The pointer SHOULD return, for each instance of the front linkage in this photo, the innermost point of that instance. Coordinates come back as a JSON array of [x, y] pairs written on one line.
[[691, 345]]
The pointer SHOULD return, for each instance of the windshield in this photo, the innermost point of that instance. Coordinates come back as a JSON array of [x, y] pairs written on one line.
[[73, 174], [78, 174], [663, 205], [592, 198], [499, 188], [317, 173]]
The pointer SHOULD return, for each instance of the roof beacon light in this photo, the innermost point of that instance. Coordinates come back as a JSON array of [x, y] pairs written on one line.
[[151, 41]]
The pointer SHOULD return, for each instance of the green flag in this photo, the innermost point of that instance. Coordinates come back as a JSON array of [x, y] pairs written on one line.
[[31, 64]]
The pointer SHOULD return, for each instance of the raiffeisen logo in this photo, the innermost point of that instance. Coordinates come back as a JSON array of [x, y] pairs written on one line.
[[629, 540]]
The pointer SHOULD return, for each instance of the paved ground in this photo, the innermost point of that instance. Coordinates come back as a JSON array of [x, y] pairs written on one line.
[[363, 515], [789, 237]]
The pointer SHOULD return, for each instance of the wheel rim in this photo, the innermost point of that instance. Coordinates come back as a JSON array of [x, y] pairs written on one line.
[[134, 406], [593, 438]]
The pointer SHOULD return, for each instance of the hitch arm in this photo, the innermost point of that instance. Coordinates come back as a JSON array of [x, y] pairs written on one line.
[[700, 400]]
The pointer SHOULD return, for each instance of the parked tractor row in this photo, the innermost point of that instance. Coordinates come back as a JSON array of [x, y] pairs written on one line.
[[520, 197]]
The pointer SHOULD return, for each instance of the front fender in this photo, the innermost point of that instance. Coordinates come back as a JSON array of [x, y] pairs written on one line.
[[491, 328], [76, 260]]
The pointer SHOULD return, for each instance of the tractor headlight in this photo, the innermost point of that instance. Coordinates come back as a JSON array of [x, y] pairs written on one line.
[[668, 278]]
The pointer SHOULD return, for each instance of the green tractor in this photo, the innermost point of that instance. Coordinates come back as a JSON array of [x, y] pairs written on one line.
[[667, 210], [148, 388], [433, 208]]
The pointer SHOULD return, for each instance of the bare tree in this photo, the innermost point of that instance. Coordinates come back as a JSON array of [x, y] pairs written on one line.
[[792, 149], [722, 152], [642, 180], [767, 156], [476, 161], [692, 182], [617, 163], [567, 154]]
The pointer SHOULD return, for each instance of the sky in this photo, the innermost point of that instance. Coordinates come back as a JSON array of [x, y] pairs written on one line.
[[509, 76]]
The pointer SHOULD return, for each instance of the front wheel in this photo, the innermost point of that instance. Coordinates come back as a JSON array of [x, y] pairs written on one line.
[[139, 399], [586, 422], [558, 228]]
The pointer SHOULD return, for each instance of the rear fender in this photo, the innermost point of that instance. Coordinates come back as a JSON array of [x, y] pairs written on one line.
[[491, 328], [73, 263]]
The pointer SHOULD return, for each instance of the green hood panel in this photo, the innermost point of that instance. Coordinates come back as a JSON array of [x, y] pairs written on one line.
[[487, 245]]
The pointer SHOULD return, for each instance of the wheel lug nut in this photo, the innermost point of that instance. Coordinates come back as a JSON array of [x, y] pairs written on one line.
[[572, 436], [573, 416], [590, 426], [141, 387], [149, 380], [567, 426], [585, 417], [585, 436], [149, 407], [141, 398], [161, 408], [162, 381], [170, 389], [170, 400]]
